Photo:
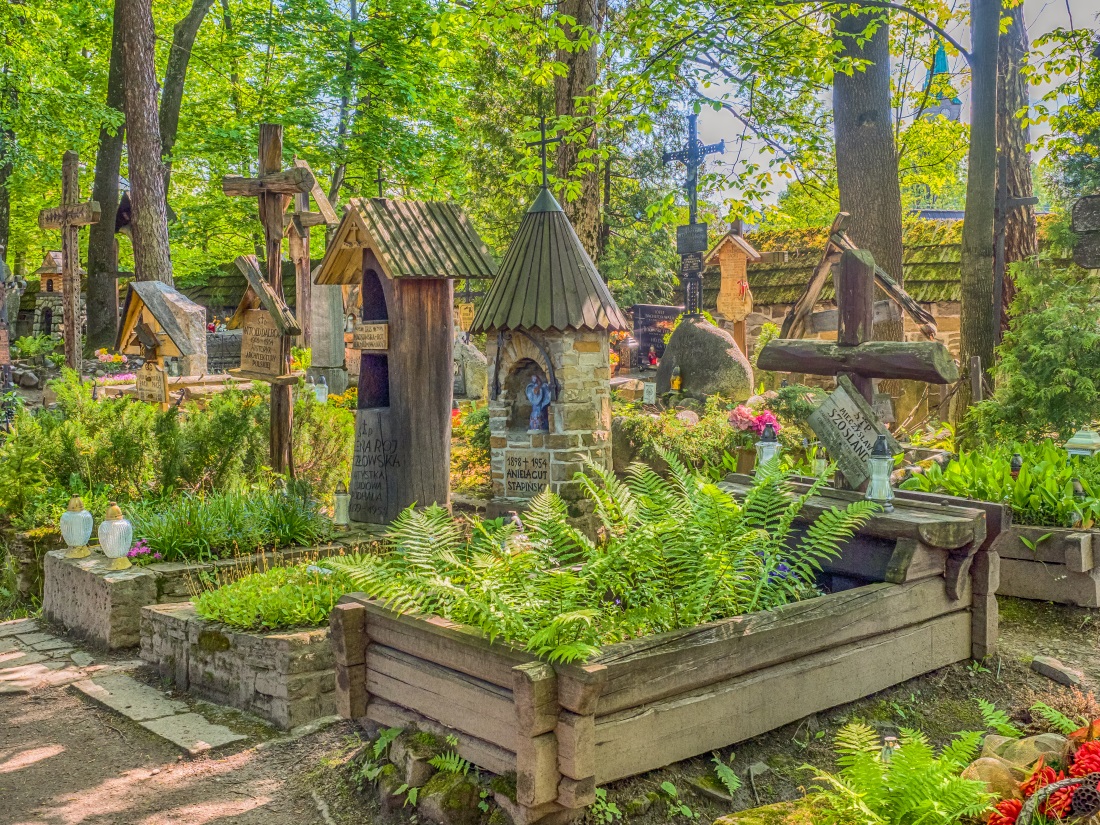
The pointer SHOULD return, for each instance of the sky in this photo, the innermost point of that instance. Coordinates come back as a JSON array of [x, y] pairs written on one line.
[[1043, 16]]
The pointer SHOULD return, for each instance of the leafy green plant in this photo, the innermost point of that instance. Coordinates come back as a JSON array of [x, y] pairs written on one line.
[[730, 780], [908, 785], [998, 720], [31, 346], [676, 805], [275, 599], [449, 761], [1058, 720], [676, 552], [603, 810], [374, 757]]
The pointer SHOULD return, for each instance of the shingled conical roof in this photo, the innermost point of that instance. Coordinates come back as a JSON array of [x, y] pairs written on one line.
[[547, 281]]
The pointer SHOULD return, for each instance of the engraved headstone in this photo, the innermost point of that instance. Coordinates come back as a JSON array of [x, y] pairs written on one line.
[[371, 336], [526, 472], [847, 427], [151, 384], [373, 497], [261, 349]]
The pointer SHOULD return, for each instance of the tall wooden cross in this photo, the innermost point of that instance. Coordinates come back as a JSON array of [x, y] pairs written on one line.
[[691, 240], [542, 144], [274, 189], [69, 217], [299, 222]]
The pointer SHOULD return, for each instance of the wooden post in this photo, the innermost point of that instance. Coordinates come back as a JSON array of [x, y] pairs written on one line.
[[69, 217], [976, 390], [303, 280], [272, 206], [855, 297]]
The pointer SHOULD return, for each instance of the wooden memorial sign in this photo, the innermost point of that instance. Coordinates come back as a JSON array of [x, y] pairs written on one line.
[[152, 384], [1086, 224], [261, 347], [526, 473], [265, 343], [5, 347], [466, 312], [371, 336], [848, 427]]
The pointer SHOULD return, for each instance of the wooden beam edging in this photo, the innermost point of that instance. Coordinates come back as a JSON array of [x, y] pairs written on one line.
[[1075, 548]]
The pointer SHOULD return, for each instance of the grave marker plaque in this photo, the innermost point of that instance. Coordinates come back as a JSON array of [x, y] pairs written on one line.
[[5, 347], [373, 496], [848, 427], [151, 384], [261, 345], [371, 336], [526, 473], [649, 393], [466, 312]]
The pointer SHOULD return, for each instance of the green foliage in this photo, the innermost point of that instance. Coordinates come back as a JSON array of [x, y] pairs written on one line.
[[1043, 493], [676, 805], [695, 444], [603, 810], [1046, 376], [998, 720], [1056, 719], [201, 527], [373, 758], [675, 553], [31, 346], [277, 599], [730, 780], [449, 761], [909, 785]]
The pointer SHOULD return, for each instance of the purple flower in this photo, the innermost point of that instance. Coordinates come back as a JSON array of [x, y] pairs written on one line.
[[158, 556]]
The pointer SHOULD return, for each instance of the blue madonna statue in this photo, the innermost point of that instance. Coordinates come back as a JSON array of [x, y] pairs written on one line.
[[538, 393]]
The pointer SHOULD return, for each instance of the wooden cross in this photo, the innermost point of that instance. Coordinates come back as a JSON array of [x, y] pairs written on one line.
[[297, 228], [693, 156], [69, 217], [542, 144], [274, 189]]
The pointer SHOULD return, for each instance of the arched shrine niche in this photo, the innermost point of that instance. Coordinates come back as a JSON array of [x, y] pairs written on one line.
[[516, 391], [374, 370]]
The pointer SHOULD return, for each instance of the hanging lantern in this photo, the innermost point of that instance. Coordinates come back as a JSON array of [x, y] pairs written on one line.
[[341, 502], [321, 390], [767, 447], [1085, 443], [76, 529], [881, 465], [116, 536]]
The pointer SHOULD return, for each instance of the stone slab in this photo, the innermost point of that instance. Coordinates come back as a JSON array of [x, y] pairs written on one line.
[[53, 644], [7, 645], [81, 659], [17, 626], [33, 639], [17, 658], [1056, 671], [59, 652], [129, 697], [191, 732]]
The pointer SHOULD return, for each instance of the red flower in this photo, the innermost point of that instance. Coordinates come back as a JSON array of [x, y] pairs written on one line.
[[1006, 812], [1087, 759], [1040, 778], [1057, 804]]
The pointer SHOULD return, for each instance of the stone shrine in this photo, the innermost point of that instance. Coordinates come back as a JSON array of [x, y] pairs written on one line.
[[548, 317], [403, 256], [49, 302]]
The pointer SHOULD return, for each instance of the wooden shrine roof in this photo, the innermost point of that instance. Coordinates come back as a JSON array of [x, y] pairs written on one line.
[[411, 239], [51, 265], [547, 280], [156, 297]]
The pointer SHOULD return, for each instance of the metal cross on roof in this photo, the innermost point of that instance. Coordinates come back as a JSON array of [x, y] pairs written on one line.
[[542, 144], [381, 181], [693, 156]]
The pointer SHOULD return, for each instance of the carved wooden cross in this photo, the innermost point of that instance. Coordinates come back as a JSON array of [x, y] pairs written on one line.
[[297, 228], [274, 188], [69, 217]]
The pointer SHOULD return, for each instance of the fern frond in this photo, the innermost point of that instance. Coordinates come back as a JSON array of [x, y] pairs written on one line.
[[998, 720], [1056, 719]]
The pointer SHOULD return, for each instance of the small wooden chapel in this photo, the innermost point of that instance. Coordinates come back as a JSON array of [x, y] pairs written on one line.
[[404, 256]]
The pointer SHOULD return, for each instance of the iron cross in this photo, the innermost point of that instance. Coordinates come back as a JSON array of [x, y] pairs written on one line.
[[381, 181], [693, 156], [542, 144]]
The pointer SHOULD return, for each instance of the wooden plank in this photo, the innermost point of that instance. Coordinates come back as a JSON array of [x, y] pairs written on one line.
[[483, 754], [351, 691], [576, 793], [986, 573], [1049, 583], [998, 517], [76, 214], [1052, 544], [668, 664], [319, 197], [453, 699], [882, 560], [285, 182], [576, 745], [848, 428], [655, 735], [927, 361], [269, 298], [855, 290], [535, 693], [984, 627], [826, 320], [444, 643], [796, 321], [580, 686], [1080, 552], [537, 775], [348, 631]]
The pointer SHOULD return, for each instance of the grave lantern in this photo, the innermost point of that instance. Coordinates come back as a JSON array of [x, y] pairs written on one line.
[[1085, 443], [321, 389], [76, 529], [1016, 465], [116, 536], [880, 465], [767, 447], [341, 501]]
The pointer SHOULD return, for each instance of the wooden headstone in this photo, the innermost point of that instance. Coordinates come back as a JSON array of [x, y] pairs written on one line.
[[1086, 224], [261, 347], [371, 336], [152, 384], [466, 312], [847, 427]]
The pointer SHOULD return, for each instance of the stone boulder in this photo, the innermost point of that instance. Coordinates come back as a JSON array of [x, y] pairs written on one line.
[[710, 362], [799, 812], [999, 778], [473, 369], [28, 381]]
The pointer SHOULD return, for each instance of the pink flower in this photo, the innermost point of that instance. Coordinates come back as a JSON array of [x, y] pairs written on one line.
[[762, 420], [741, 418]]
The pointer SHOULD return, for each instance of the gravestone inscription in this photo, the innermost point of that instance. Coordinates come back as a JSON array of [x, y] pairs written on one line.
[[151, 384], [526, 473], [261, 345], [5, 347], [376, 453], [371, 336], [848, 428]]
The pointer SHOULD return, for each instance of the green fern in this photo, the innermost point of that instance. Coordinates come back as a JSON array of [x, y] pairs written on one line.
[[730, 780], [909, 785], [450, 762], [998, 720], [1056, 719]]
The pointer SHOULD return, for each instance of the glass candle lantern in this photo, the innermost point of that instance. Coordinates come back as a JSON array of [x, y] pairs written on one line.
[[321, 390], [116, 536], [1016, 465], [880, 465], [341, 502], [821, 463], [767, 447], [1085, 443], [76, 529]]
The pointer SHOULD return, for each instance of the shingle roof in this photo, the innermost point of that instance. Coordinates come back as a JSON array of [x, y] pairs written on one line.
[[547, 280], [158, 298], [412, 239]]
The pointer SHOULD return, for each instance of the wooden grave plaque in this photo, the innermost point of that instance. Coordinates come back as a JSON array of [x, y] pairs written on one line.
[[466, 312], [376, 464], [372, 336], [261, 347], [526, 473], [848, 427], [5, 347], [151, 384]]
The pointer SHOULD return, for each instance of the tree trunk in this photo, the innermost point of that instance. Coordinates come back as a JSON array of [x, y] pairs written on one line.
[[344, 119], [866, 158], [584, 210], [152, 261], [171, 98], [102, 246], [977, 316], [1021, 239], [10, 97]]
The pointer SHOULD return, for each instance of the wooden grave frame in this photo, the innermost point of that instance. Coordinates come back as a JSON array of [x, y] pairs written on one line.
[[259, 306]]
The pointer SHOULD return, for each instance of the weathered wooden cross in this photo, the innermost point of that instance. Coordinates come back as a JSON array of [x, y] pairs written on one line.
[[691, 240], [69, 217], [297, 227], [274, 189]]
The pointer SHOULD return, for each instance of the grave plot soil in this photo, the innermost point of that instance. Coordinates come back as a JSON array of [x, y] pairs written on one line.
[[66, 762]]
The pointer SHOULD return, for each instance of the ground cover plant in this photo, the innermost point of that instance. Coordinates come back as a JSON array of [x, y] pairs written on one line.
[[673, 552], [277, 599], [470, 452], [1051, 489]]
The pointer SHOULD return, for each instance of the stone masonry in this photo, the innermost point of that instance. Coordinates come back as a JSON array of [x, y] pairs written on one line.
[[287, 678]]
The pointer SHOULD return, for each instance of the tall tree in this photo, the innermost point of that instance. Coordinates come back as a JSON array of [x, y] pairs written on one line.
[[152, 261], [577, 160], [1021, 237], [102, 248], [977, 313], [866, 158]]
